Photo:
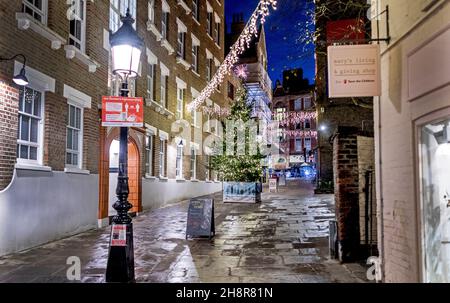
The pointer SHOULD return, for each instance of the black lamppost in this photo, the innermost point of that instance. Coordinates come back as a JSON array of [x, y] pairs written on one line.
[[126, 48], [20, 79]]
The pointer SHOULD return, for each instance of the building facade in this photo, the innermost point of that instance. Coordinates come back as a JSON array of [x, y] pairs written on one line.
[[412, 139], [58, 164], [294, 110]]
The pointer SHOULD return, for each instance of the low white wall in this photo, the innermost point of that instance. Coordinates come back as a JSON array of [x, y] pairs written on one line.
[[39, 207], [157, 193], [112, 193]]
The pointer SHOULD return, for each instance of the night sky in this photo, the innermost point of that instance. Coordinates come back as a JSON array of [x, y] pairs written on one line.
[[283, 29]]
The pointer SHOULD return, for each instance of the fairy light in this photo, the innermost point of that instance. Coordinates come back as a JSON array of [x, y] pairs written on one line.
[[216, 112], [294, 118], [241, 71], [242, 43], [301, 133]]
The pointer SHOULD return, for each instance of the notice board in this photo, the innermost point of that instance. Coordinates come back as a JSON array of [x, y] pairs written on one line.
[[122, 111], [200, 219]]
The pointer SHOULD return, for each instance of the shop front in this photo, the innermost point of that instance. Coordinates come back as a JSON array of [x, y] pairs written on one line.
[[434, 159]]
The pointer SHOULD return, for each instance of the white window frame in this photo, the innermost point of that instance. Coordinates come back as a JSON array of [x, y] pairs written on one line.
[[82, 39], [217, 23], [164, 83], [78, 152], [151, 81], [193, 163], [164, 27], [43, 13], [149, 147], [40, 131], [179, 162], [180, 103], [298, 104], [163, 99], [309, 146], [296, 145], [307, 103], [41, 83], [151, 11], [209, 19], [82, 101], [162, 157], [195, 53], [181, 94], [116, 12], [165, 20], [194, 65], [181, 45], [196, 11]]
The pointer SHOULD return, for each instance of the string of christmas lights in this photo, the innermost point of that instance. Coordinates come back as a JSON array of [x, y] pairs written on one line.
[[301, 133], [294, 118], [243, 42], [216, 112]]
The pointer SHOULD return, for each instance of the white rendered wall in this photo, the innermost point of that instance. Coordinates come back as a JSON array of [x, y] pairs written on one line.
[[157, 193], [39, 207]]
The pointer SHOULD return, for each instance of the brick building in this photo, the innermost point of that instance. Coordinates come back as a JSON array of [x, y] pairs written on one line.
[[412, 138], [293, 107], [58, 165]]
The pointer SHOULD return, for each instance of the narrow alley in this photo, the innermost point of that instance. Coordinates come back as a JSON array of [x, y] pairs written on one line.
[[282, 239]]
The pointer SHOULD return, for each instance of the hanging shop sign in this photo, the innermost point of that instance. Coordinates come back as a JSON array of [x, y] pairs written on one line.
[[122, 111], [354, 71]]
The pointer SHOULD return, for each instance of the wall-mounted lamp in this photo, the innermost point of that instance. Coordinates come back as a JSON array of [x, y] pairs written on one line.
[[20, 78]]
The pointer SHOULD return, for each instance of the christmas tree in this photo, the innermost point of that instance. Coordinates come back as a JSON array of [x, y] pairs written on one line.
[[238, 166]]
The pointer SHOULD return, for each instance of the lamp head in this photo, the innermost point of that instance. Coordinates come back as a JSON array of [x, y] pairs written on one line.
[[126, 48], [21, 79]]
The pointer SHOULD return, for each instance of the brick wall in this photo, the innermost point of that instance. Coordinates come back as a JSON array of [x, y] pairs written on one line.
[[335, 114], [345, 164], [53, 63], [8, 131]]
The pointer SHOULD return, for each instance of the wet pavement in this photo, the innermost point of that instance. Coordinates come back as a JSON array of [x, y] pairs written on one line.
[[282, 239]]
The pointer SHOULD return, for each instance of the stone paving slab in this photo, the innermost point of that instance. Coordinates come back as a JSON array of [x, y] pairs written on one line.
[[281, 240]]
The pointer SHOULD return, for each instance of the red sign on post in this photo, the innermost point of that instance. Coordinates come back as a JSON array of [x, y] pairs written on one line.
[[122, 111]]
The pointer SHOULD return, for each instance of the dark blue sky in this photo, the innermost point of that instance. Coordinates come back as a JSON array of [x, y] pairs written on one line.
[[283, 28]]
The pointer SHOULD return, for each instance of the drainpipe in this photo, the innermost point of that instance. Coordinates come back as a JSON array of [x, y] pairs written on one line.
[[380, 205]]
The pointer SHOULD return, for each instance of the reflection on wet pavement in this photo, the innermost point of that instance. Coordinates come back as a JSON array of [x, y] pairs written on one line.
[[282, 239]]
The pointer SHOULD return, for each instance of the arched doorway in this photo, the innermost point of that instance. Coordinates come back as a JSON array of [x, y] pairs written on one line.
[[109, 171]]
